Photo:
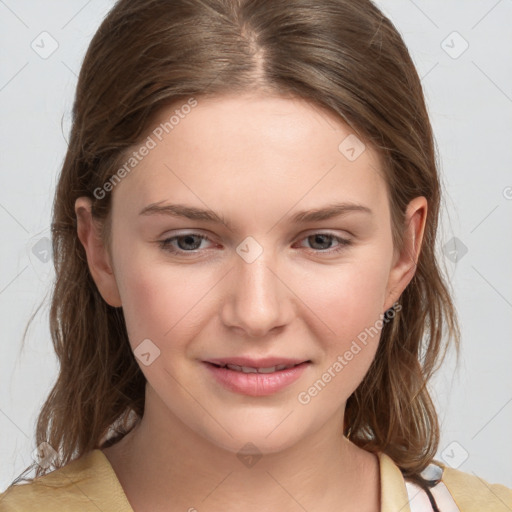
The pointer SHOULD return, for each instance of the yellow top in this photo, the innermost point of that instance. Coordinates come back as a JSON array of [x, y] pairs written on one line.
[[89, 484]]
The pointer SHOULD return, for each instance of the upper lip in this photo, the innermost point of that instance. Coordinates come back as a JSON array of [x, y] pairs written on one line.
[[266, 362]]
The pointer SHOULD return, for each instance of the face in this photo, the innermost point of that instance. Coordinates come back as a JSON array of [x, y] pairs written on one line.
[[280, 275]]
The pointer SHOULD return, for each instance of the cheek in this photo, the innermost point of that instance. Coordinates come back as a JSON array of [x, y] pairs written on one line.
[[347, 298], [347, 304], [161, 302]]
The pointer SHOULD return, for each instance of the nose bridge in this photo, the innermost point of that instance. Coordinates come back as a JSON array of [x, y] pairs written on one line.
[[257, 296]]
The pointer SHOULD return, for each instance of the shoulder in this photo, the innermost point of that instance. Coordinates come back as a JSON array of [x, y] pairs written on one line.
[[86, 484], [451, 489], [472, 493]]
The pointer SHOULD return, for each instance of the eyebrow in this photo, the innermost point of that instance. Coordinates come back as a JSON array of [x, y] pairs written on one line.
[[191, 212]]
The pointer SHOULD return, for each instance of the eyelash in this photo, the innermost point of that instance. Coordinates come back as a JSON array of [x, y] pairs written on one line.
[[166, 244]]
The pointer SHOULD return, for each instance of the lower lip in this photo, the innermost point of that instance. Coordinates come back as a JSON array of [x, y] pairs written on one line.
[[256, 384]]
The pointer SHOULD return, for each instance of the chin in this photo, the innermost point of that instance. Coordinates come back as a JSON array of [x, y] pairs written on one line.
[[255, 438]]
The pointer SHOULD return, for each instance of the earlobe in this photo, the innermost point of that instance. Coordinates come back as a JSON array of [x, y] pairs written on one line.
[[98, 258], [404, 266]]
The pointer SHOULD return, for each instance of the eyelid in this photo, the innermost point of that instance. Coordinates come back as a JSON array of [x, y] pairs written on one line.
[[326, 231], [305, 234]]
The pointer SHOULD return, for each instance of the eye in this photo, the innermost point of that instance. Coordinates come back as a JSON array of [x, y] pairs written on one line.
[[188, 242], [323, 242], [191, 242]]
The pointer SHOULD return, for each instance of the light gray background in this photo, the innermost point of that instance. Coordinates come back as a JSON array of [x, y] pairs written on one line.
[[470, 101]]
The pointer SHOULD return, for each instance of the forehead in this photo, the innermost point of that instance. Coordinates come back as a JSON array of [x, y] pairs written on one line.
[[240, 149]]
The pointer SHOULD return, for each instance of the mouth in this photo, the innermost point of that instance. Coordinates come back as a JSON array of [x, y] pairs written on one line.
[[256, 378], [255, 369], [270, 364]]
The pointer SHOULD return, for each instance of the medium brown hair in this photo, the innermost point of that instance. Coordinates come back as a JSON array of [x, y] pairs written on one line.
[[341, 55]]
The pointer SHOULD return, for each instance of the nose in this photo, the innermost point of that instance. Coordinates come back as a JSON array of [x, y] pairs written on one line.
[[257, 299]]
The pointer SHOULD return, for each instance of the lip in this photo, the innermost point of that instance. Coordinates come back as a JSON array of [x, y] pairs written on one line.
[[265, 362], [256, 384]]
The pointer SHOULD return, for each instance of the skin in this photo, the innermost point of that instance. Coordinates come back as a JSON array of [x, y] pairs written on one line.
[[256, 160]]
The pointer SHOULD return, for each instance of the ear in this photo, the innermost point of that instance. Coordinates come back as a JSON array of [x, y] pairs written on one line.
[[98, 257], [404, 264]]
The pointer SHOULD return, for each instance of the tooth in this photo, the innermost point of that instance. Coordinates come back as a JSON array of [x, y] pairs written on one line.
[[247, 369], [250, 369], [267, 370]]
